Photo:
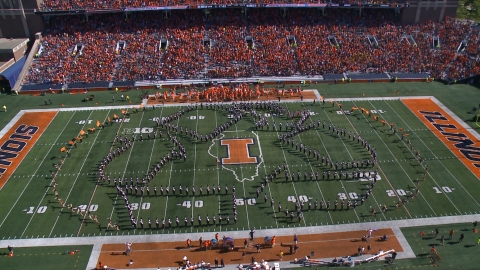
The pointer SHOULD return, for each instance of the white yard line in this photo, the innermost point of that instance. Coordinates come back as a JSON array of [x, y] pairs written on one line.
[[351, 157], [218, 178], [76, 178], [169, 178], [293, 182], [436, 158], [96, 184], [324, 147], [243, 183], [194, 167], [318, 186], [268, 184], [125, 170], [39, 165], [149, 163], [54, 177], [399, 165]]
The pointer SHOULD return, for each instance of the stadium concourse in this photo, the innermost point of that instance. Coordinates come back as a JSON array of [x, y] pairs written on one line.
[[234, 43]]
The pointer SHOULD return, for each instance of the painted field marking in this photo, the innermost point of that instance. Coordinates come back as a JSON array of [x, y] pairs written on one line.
[[457, 139], [386, 178], [268, 185], [218, 177], [149, 162], [238, 151], [19, 140], [436, 158], [411, 180], [54, 177], [243, 182], [39, 165], [76, 178], [195, 159], [170, 179], [311, 168], [343, 186]]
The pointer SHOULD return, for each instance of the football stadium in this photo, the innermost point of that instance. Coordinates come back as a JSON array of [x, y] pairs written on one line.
[[238, 135]]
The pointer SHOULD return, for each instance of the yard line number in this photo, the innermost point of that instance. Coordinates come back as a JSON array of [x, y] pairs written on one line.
[[400, 192], [347, 112], [188, 204], [83, 122], [438, 190], [91, 208], [444, 189], [250, 201], [301, 198], [351, 195], [39, 210]]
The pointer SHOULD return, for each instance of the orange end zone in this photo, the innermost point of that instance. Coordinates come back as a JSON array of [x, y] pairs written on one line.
[[170, 254], [459, 140], [238, 152], [19, 139]]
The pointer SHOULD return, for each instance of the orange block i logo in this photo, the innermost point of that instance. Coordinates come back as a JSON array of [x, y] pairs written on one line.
[[238, 151]]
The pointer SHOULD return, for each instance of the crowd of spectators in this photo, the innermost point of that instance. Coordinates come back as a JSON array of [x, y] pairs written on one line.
[[467, 62], [263, 42], [120, 4], [229, 54]]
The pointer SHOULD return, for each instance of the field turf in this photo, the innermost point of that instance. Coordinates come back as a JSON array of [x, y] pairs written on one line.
[[29, 208], [53, 257]]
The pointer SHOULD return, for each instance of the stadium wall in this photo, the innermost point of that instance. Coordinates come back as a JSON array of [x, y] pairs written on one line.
[[421, 11], [19, 20]]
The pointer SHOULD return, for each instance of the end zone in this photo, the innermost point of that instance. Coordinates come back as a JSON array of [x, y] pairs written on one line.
[[457, 139], [17, 141]]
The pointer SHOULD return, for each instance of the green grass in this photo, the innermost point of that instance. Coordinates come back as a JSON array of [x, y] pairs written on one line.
[[77, 179], [454, 254], [57, 257]]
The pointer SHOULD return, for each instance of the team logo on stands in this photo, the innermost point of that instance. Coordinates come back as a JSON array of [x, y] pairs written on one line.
[[238, 151]]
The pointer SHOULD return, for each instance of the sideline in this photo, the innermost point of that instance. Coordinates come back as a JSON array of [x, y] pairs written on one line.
[[98, 241]]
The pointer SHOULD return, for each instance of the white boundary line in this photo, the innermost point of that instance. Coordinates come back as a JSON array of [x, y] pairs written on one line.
[[11, 123], [76, 178], [436, 157], [39, 165], [98, 241], [399, 165], [48, 188], [238, 234]]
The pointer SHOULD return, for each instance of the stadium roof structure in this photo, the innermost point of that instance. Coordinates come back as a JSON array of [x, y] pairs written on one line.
[[8, 45]]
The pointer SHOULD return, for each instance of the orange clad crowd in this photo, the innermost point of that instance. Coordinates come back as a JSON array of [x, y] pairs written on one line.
[[195, 44], [119, 4]]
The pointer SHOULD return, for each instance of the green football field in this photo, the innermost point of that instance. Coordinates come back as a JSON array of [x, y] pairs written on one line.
[[51, 257], [30, 209]]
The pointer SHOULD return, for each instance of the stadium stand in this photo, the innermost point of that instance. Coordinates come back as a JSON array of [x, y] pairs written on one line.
[[146, 4], [227, 43]]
